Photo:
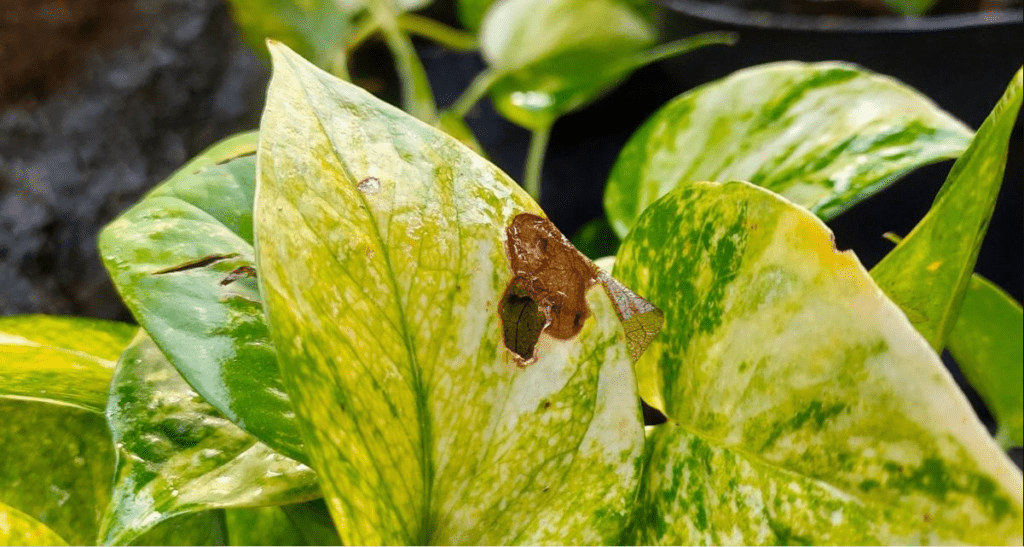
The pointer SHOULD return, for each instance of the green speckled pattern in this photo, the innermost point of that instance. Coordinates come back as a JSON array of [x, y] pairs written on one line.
[[803, 405], [61, 360], [380, 243], [178, 455], [824, 135], [56, 466], [211, 328]]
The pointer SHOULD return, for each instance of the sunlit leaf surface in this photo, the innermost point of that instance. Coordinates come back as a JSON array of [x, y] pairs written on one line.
[[179, 455], [824, 135], [182, 260], [928, 271], [62, 360], [17, 528], [803, 406], [387, 252]]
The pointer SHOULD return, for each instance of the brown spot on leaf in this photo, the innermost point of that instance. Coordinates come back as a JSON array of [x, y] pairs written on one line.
[[238, 273], [369, 185], [552, 277], [197, 263], [549, 271]]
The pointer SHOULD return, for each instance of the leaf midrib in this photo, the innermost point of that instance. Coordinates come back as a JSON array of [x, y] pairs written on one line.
[[422, 537]]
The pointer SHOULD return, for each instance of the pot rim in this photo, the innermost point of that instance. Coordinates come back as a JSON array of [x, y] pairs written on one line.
[[720, 13]]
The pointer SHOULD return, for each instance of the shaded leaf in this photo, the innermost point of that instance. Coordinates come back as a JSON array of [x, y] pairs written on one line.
[[56, 465], [928, 271], [261, 526], [313, 519], [384, 249], [596, 239], [988, 345], [204, 528], [550, 57], [824, 135], [17, 528], [471, 12], [804, 406], [298, 524], [197, 296], [319, 30], [62, 360], [179, 455], [910, 8]]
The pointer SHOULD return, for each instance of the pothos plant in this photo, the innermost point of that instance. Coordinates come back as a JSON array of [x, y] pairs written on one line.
[[545, 58], [352, 312]]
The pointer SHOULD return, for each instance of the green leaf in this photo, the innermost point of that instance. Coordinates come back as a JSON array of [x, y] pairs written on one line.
[[910, 8], [205, 528], [596, 239], [804, 407], [298, 524], [823, 135], [179, 455], [387, 251], [319, 30], [17, 528], [62, 360], [313, 519], [56, 465], [471, 12], [928, 271], [261, 526], [988, 345], [197, 296], [550, 57]]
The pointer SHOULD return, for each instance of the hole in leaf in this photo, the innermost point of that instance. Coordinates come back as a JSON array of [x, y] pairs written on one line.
[[521, 320]]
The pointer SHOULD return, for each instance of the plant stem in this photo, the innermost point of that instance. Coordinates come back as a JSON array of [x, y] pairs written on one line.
[[677, 47], [535, 160], [476, 90], [365, 27], [451, 38], [417, 97]]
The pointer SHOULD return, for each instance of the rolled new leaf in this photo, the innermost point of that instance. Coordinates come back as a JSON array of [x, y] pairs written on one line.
[[803, 406], [459, 371], [824, 135], [60, 360], [182, 260]]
